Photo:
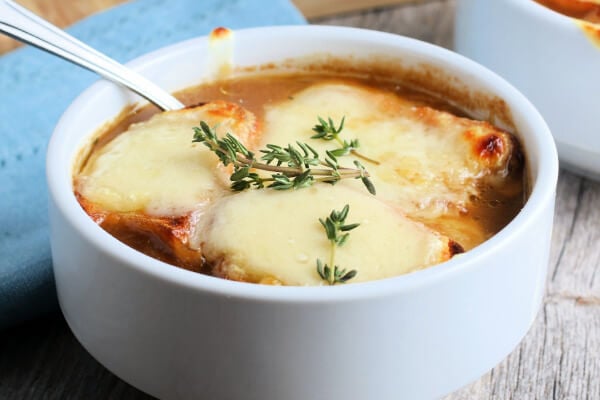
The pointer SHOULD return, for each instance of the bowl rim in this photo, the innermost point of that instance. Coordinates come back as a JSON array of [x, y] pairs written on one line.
[[542, 188]]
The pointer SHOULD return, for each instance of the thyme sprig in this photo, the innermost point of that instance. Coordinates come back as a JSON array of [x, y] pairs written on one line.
[[327, 130], [337, 233], [292, 167]]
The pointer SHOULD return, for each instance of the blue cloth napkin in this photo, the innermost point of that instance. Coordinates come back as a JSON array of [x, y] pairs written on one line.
[[35, 88]]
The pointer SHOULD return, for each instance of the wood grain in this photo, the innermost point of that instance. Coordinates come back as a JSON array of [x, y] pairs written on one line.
[[558, 359], [430, 21]]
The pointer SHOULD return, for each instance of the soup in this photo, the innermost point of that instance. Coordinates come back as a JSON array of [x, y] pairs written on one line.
[[425, 182]]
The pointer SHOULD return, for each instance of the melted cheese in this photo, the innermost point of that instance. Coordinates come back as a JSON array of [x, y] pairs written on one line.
[[431, 161], [281, 238], [154, 167], [432, 166]]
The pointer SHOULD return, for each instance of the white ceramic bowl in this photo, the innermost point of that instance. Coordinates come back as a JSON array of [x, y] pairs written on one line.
[[181, 335], [549, 58]]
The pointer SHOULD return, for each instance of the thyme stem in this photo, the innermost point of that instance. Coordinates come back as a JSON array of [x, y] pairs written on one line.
[[333, 246], [365, 158], [296, 173], [337, 232], [327, 130]]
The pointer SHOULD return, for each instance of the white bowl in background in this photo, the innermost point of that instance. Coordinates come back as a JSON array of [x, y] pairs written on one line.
[[176, 334], [550, 59]]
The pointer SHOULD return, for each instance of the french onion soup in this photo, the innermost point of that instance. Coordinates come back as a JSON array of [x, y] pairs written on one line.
[[305, 178]]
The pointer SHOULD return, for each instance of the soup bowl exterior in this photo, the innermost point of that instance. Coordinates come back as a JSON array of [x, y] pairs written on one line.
[[182, 335], [549, 58]]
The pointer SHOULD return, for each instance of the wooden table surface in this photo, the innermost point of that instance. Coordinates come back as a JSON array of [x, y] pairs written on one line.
[[558, 359]]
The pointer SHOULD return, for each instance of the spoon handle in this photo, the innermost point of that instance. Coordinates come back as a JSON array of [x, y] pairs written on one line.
[[21, 24]]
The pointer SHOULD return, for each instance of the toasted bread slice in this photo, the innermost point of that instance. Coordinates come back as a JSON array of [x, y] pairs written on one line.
[[431, 163], [149, 184], [162, 237], [276, 237]]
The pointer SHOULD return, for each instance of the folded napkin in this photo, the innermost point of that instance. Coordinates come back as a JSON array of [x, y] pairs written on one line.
[[35, 88]]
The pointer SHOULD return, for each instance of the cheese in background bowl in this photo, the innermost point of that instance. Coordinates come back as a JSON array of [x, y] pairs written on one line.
[[175, 333], [586, 10]]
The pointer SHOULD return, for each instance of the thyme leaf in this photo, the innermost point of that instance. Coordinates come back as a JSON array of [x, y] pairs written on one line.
[[327, 130], [293, 167], [336, 230]]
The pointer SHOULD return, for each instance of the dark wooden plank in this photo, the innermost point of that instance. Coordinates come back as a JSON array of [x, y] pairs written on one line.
[[43, 360]]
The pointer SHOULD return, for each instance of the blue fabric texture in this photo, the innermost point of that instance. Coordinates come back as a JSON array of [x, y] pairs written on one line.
[[35, 88]]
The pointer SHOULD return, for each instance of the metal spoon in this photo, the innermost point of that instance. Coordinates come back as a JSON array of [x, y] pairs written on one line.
[[23, 25]]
